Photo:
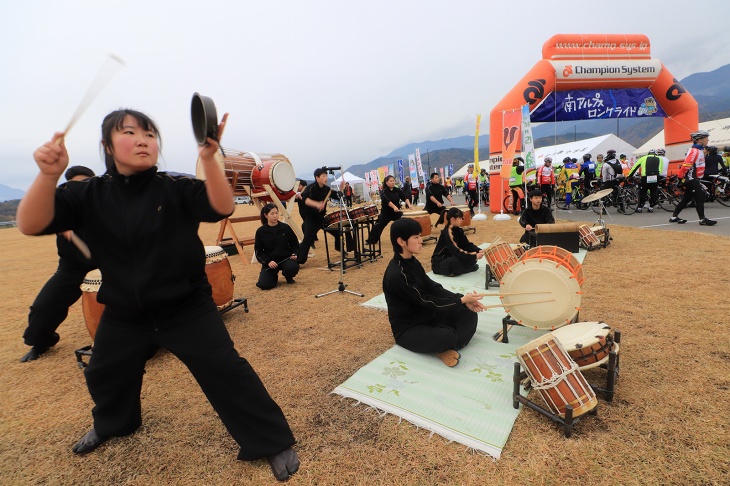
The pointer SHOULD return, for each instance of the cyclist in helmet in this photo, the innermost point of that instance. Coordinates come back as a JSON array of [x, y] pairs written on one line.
[[546, 180], [515, 181], [611, 173], [713, 163], [726, 157], [588, 172], [471, 181], [568, 178], [692, 170], [650, 167]]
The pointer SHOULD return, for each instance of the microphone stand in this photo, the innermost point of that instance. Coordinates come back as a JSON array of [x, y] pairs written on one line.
[[341, 286]]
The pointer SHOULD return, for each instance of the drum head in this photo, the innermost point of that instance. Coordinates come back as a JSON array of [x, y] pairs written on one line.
[[541, 276], [581, 334], [283, 176], [204, 117]]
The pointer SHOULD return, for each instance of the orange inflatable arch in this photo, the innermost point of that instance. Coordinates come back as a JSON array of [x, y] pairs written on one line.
[[595, 61]]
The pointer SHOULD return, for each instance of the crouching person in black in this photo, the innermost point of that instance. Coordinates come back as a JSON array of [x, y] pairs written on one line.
[[276, 247], [533, 215], [424, 316], [454, 253]]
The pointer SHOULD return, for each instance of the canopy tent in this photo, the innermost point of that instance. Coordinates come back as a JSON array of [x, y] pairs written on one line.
[[357, 183], [719, 131], [593, 146], [350, 177], [461, 173]]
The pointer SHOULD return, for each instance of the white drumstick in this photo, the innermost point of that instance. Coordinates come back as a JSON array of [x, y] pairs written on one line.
[[79, 243], [106, 72]]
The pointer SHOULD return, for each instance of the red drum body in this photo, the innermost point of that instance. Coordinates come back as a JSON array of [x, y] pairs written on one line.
[[560, 256], [587, 343], [500, 258], [587, 237], [358, 214], [249, 172], [220, 276], [519, 250], [91, 308], [556, 376], [423, 218], [333, 219], [371, 210]]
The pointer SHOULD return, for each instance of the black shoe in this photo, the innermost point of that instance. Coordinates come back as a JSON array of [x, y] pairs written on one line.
[[34, 353], [313, 247], [707, 222], [284, 464], [290, 280], [675, 219], [88, 442]]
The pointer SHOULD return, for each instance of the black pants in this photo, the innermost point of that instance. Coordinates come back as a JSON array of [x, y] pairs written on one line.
[[692, 190], [50, 307], [549, 192], [268, 277], [114, 379], [451, 330], [653, 189], [348, 201], [311, 227], [473, 199], [453, 266], [384, 219]]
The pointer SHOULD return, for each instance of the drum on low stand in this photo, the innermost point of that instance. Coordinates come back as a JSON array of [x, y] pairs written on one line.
[[358, 214], [588, 238], [552, 283], [220, 276], [500, 258], [92, 308], [424, 219], [332, 220], [587, 343], [556, 376], [371, 211]]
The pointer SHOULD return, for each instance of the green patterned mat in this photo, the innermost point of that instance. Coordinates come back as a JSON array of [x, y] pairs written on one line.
[[471, 403]]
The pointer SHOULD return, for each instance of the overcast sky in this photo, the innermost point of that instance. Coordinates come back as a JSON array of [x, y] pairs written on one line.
[[323, 82]]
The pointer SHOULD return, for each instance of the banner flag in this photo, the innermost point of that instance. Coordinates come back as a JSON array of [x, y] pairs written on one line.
[[594, 104], [381, 175], [414, 171], [528, 143], [443, 179], [510, 139], [391, 171], [373, 180], [401, 178], [418, 164], [451, 170], [476, 147]]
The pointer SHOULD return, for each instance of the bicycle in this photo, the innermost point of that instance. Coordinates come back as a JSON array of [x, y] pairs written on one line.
[[627, 199], [669, 194], [507, 203], [720, 189]]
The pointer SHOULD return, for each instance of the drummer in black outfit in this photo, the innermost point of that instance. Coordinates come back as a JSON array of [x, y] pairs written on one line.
[[63, 289], [390, 198], [276, 246], [533, 215], [454, 253], [315, 197], [435, 194]]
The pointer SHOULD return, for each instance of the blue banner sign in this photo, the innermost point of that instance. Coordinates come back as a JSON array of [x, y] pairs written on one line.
[[589, 104]]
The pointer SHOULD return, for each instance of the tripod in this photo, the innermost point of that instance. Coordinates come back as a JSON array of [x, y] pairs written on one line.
[[341, 285]]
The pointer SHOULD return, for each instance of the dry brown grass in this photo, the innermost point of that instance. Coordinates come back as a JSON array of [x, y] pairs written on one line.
[[666, 291]]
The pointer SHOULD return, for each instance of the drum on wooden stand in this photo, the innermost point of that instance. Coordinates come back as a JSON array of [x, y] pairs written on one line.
[[423, 218], [250, 170], [587, 237], [587, 343], [358, 214], [560, 256], [554, 284], [519, 249], [371, 211], [500, 258], [467, 214], [332, 220], [91, 307], [600, 232], [220, 276], [556, 376]]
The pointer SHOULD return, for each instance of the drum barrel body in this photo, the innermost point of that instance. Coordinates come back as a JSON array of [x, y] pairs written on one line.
[[500, 257], [90, 306], [422, 218], [220, 276]]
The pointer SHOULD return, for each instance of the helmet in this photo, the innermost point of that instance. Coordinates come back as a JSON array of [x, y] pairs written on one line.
[[660, 151], [622, 156], [726, 149], [548, 159], [652, 152], [519, 159], [574, 160], [599, 156], [611, 152], [586, 156], [699, 135], [712, 150], [566, 160], [471, 166]]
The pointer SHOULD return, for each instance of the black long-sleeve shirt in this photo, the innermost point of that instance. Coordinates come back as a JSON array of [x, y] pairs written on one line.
[[533, 217], [454, 243], [143, 233], [275, 243], [316, 193], [387, 196], [439, 192], [412, 297]]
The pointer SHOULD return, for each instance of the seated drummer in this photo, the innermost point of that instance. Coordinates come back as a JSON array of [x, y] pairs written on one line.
[[424, 316], [276, 247], [454, 253], [533, 215], [435, 193]]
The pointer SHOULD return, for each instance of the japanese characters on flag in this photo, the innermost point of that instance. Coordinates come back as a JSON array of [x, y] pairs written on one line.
[[418, 164], [528, 145], [511, 121], [414, 170], [401, 177]]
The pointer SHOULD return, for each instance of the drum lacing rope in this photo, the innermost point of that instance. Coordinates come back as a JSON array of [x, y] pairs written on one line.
[[553, 381]]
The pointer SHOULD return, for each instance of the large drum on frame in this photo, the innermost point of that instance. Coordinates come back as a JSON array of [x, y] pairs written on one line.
[[249, 171], [561, 257], [91, 307], [556, 376], [220, 276], [423, 218]]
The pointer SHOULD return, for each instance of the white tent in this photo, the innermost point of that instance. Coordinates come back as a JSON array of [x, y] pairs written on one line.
[[593, 146], [357, 183], [461, 173], [719, 131]]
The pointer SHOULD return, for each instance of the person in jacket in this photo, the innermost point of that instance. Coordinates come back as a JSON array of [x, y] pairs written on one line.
[[546, 180], [650, 168], [156, 294], [276, 246], [61, 291], [435, 194], [425, 317], [534, 215], [390, 209], [692, 170], [454, 253]]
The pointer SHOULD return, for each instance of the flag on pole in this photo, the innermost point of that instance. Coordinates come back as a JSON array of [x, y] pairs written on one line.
[[511, 121], [528, 144], [413, 169], [476, 147], [401, 178], [418, 164], [373, 180]]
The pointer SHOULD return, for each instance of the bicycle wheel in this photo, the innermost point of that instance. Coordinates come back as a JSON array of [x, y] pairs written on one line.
[[722, 193], [666, 200], [628, 200]]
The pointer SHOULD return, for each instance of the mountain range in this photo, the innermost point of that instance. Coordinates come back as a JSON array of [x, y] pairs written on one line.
[[711, 90]]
